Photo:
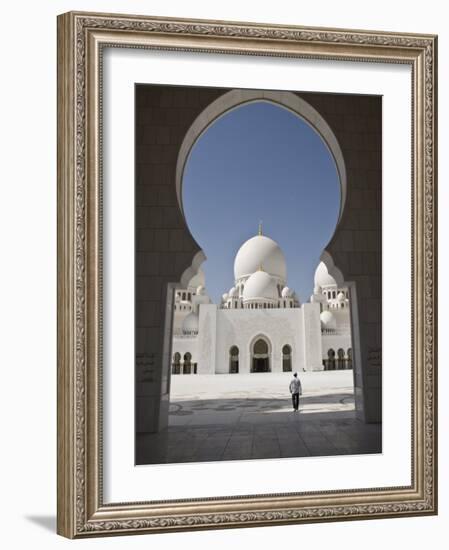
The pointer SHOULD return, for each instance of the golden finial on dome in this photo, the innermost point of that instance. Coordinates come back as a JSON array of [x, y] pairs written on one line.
[[260, 228], [260, 268]]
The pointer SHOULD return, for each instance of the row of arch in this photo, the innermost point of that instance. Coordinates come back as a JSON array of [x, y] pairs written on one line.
[[332, 294], [184, 367], [339, 360], [238, 304], [261, 360], [337, 305], [183, 307]]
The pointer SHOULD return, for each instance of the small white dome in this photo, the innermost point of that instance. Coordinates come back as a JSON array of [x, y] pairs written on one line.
[[225, 297], [322, 277], [286, 292], [200, 290], [341, 297], [260, 286], [191, 323], [328, 321], [260, 251], [232, 292]]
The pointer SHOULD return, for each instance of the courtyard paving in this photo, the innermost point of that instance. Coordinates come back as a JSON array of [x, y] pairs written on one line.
[[240, 417]]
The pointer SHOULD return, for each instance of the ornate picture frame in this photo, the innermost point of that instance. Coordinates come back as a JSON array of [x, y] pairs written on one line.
[[82, 39]]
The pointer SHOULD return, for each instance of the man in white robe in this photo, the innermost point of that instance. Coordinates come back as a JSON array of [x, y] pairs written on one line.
[[296, 391]]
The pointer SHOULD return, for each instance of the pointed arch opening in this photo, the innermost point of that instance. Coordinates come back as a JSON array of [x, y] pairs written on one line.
[[260, 350]]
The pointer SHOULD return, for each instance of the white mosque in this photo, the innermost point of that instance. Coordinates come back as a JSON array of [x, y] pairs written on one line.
[[260, 324]]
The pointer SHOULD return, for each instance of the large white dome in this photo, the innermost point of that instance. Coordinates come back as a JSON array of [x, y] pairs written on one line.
[[191, 323], [260, 286], [260, 252], [322, 277]]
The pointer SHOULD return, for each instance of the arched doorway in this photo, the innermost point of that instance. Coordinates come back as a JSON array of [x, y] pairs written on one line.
[[260, 356], [286, 358], [176, 365], [187, 368], [234, 360], [330, 359], [340, 358]]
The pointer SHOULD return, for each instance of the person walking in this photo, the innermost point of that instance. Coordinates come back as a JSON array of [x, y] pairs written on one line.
[[296, 391]]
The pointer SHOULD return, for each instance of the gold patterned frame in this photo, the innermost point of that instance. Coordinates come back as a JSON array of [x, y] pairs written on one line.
[[81, 511]]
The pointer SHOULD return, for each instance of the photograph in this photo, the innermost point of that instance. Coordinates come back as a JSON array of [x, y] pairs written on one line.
[[248, 340]]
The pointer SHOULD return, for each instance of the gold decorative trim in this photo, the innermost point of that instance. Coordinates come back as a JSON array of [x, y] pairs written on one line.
[[81, 36]]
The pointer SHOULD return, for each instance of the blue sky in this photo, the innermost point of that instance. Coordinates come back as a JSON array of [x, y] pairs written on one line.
[[261, 162]]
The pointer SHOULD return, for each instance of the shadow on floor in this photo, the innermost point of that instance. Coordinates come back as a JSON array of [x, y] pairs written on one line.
[[46, 522], [190, 406], [242, 429]]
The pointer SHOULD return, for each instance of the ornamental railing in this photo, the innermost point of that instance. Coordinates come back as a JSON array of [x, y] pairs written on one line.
[[186, 335], [336, 332]]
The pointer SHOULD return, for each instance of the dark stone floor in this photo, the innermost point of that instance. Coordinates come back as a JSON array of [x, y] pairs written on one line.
[[203, 430]]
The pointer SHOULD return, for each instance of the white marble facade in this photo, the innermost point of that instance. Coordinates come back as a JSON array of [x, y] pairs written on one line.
[[260, 324]]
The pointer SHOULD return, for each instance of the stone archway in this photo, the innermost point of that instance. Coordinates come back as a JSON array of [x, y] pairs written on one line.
[[299, 106], [233, 360], [351, 265], [260, 353]]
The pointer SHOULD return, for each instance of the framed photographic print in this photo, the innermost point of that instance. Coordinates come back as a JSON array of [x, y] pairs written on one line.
[[247, 274]]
